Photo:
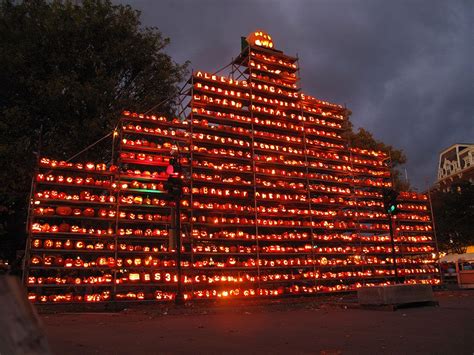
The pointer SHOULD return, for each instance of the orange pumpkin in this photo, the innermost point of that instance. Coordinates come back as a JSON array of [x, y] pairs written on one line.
[[48, 260], [48, 211], [260, 38], [88, 212], [64, 227], [36, 260], [63, 210]]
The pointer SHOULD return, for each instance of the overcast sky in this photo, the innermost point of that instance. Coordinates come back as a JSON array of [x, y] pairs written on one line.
[[404, 68]]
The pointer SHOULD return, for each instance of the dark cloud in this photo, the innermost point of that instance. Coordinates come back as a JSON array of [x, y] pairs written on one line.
[[404, 68]]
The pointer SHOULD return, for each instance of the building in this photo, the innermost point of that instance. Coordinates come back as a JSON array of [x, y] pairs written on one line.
[[456, 164]]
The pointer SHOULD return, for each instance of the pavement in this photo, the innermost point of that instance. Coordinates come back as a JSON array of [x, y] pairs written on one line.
[[302, 326]]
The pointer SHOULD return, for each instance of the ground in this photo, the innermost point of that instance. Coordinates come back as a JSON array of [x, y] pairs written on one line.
[[307, 326]]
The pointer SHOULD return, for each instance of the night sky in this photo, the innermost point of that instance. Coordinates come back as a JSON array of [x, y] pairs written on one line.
[[404, 68]]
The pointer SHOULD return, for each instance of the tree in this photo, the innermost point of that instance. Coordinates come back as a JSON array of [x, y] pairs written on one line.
[[67, 71], [454, 214], [365, 140]]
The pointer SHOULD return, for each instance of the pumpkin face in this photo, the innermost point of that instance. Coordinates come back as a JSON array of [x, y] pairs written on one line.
[[88, 212], [63, 211], [48, 211], [85, 195], [36, 260], [101, 261], [78, 262], [260, 38]]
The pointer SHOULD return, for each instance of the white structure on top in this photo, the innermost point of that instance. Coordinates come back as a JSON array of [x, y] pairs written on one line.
[[456, 163]]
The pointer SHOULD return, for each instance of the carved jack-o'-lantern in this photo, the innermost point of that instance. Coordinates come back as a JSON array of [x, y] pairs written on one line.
[[260, 38], [48, 260], [63, 211], [37, 227], [78, 262], [36, 260], [67, 244], [31, 279], [48, 211], [101, 261], [64, 227], [88, 212]]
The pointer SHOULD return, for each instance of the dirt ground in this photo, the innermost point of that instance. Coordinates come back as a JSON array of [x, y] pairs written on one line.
[[305, 326]]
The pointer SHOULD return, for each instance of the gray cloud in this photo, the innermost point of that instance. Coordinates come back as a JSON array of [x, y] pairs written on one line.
[[404, 68]]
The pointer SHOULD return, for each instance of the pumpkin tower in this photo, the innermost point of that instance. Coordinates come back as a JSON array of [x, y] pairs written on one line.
[[275, 202]]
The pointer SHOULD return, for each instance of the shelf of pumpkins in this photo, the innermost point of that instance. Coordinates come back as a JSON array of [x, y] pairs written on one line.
[[101, 233], [274, 204], [143, 236], [414, 237], [295, 197]]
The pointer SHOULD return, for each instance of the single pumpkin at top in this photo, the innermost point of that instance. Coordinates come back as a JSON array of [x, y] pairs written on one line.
[[260, 38]]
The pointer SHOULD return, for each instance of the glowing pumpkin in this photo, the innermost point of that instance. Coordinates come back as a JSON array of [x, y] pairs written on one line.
[[36, 260], [48, 211], [48, 260], [67, 244], [64, 227], [88, 212], [63, 211], [260, 38]]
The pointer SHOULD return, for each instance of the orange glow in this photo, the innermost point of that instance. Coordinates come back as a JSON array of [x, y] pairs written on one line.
[[261, 39], [274, 201]]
